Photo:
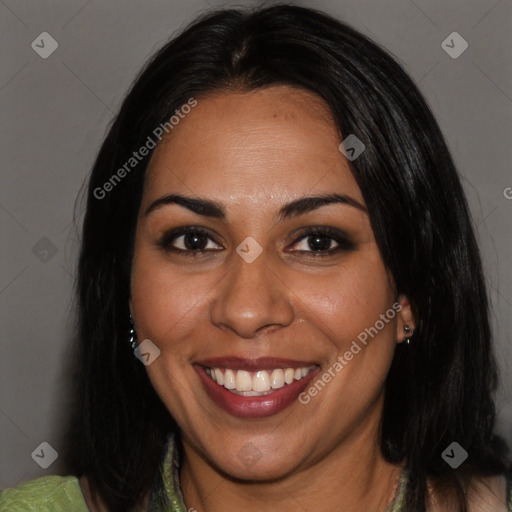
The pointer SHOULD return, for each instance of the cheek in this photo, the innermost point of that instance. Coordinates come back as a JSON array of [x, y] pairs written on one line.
[[167, 302], [350, 301], [347, 309], [168, 305]]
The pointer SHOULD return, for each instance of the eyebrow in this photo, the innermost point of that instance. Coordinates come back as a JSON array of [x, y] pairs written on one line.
[[209, 208]]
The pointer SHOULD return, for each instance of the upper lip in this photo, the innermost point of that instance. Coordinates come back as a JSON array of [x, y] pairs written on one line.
[[252, 364]]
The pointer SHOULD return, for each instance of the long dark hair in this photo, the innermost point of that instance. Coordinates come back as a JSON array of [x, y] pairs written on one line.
[[440, 387]]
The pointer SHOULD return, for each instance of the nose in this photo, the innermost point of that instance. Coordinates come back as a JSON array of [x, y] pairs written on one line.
[[252, 299]]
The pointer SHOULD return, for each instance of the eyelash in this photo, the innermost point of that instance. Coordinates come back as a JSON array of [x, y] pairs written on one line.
[[344, 243]]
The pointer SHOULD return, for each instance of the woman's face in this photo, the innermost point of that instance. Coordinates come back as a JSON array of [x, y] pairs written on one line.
[[262, 290]]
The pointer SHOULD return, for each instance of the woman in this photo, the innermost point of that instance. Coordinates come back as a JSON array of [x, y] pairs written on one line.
[[275, 225]]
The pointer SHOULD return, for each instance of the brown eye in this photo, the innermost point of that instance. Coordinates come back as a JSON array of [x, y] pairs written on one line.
[[324, 241], [190, 240]]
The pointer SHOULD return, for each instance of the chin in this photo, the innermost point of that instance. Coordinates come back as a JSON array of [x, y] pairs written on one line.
[[251, 464], [257, 473]]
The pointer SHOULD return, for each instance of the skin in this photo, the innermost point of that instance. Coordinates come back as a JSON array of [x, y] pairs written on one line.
[[252, 152]]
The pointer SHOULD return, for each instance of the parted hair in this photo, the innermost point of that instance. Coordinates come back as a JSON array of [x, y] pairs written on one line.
[[439, 389]]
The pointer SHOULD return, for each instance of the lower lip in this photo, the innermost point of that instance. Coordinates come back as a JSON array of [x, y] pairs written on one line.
[[254, 406]]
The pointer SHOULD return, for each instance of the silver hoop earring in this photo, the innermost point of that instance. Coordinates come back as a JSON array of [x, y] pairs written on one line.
[[133, 334]]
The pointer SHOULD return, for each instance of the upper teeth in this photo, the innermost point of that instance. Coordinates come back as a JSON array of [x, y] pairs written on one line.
[[256, 383]]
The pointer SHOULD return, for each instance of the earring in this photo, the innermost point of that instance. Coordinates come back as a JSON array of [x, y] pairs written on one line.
[[133, 334], [408, 330]]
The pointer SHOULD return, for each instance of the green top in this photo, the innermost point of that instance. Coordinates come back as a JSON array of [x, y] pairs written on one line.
[[45, 494], [64, 494]]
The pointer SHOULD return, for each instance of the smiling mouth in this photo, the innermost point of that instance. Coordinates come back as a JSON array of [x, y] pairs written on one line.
[[251, 388], [256, 383]]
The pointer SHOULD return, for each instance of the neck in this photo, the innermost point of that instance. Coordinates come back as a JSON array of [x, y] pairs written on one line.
[[352, 476]]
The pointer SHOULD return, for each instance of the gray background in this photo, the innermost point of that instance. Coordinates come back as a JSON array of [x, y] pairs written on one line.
[[55, 113]]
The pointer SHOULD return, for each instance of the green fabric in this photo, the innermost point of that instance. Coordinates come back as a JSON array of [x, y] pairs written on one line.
[[45, 494], [64, 494]]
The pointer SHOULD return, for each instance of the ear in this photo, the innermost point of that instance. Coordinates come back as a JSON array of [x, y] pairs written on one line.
[[131, 306], [405, 317]]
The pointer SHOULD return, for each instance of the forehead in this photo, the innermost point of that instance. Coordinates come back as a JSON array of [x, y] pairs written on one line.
[[274, 142]]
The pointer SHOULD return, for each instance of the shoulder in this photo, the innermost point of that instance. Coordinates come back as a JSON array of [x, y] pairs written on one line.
[[485, 494], [48, 493], [489, 495]]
